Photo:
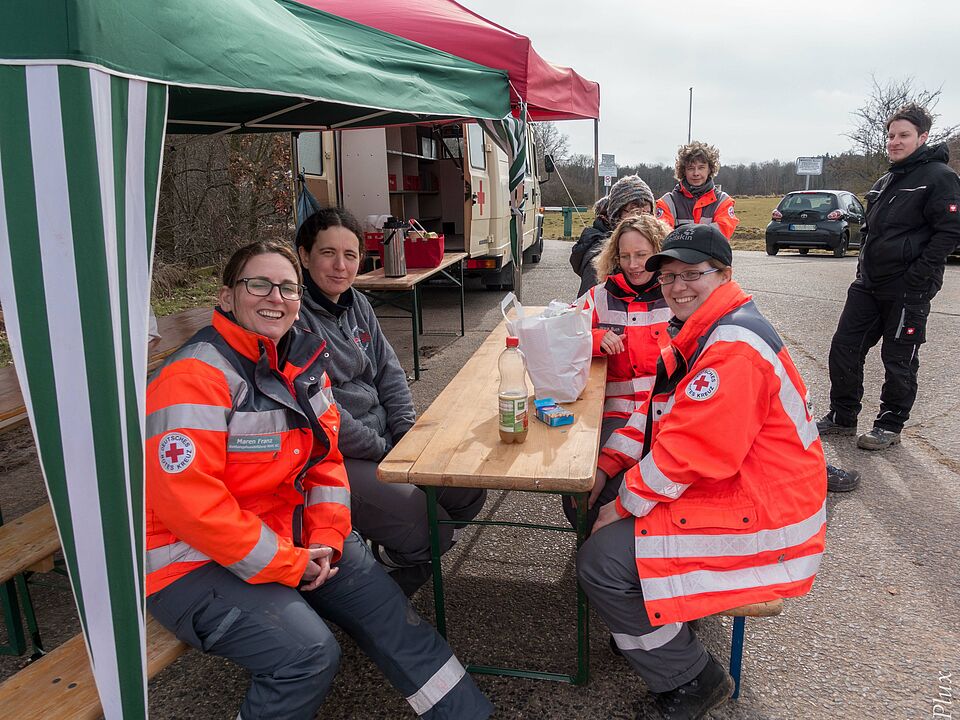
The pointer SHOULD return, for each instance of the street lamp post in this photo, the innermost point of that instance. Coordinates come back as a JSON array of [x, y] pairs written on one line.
[[690, 117]]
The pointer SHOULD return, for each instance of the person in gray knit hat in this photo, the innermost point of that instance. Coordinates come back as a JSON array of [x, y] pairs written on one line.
[[628, 196]]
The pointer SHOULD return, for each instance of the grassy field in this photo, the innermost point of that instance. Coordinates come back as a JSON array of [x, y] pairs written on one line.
[[754, 213]]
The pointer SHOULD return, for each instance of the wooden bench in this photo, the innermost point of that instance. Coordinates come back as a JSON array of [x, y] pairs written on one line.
[[61, 685], [739, 615], [27, 544]]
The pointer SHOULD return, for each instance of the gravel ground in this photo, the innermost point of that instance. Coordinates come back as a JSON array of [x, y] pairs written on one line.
[[873, 639]]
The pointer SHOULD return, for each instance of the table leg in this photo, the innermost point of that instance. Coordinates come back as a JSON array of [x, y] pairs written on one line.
[[419, 306], [434, 528], [16, 643], [462, 330], [415, 316], [583, 605]]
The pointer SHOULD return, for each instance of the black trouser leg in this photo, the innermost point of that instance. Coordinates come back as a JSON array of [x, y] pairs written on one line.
[[860, 328]]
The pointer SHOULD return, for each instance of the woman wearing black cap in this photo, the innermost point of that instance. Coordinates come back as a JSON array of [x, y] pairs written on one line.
[[722, 502]]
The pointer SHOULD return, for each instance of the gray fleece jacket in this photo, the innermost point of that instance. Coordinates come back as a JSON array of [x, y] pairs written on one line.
[[368, 383]]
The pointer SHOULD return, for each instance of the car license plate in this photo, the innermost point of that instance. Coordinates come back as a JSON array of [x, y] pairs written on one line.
[[803, 227]]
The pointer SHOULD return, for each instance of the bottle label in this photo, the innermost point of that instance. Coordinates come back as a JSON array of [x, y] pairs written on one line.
[[513, 414]]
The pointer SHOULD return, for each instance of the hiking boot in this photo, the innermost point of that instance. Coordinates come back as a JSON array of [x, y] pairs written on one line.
[[878, 439], [827, 426], [708, 690], [840, 480]]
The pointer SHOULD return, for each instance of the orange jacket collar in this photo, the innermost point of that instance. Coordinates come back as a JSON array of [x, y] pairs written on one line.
[[244, 341], [724, 299]]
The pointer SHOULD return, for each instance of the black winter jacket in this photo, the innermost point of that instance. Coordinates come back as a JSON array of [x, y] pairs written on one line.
[[912, 225], [585, 250]]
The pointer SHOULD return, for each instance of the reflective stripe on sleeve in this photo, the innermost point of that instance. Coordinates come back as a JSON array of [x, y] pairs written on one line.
[[260, 422], [626, 445], [702, 581], [633, 503], [187, 416], [740, 544], [206, 353], [259, 556], [643, 383], [176, 552], [434, 689], [619, 405], [322, 401], [654, 479], [327, 494], [790, 398], [651, 641]]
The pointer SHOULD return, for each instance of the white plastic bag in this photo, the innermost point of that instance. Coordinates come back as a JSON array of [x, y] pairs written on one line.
[[558, 346]]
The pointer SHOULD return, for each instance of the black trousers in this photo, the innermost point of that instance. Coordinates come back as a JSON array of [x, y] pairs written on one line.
[[869, 316]]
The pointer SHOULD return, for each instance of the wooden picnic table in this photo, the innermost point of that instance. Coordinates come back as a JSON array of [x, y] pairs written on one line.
[[403, 293], [456, 443], [174, 329]]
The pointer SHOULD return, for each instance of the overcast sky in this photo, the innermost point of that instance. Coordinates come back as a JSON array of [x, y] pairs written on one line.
[[770, 79]]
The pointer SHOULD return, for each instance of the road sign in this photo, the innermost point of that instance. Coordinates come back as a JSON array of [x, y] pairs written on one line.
[[608, 167], [607, 181], [810, 166]]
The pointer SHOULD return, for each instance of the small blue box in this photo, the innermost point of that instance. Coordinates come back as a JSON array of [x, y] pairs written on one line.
[[549, 413]]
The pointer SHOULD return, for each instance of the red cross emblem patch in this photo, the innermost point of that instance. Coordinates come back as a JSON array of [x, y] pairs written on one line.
[[952, 207], [703, 385], [176, 452]]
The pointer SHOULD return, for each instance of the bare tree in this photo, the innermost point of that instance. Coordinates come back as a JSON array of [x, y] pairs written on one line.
[[550, 141], [869, 134]]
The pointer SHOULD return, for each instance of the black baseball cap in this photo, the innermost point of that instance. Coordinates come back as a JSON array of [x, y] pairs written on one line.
[[692, 244]]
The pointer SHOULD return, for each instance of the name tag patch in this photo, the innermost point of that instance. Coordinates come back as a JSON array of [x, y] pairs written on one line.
[[254, 443]]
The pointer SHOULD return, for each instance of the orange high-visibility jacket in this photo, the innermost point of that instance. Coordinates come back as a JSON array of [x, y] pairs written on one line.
[[679, 207], [233, 446], [643, 319], [729, 494]]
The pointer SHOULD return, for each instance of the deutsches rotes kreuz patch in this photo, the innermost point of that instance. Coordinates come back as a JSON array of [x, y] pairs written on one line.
[[176, 452], [704, 385]]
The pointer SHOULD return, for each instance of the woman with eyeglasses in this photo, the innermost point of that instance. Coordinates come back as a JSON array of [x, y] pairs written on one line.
[[376, 409], [629, 317], [248, 533], [722, 482]]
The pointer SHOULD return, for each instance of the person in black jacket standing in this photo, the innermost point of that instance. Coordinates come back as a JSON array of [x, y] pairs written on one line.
[[912, 225]]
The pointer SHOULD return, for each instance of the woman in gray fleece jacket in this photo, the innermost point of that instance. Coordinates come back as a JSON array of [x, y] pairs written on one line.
[[375, 405]]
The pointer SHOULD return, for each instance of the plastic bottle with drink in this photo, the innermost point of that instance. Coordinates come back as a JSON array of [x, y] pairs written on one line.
[[513, 393]]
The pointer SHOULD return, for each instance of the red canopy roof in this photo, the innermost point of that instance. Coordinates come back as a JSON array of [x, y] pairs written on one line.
[[551, 92]]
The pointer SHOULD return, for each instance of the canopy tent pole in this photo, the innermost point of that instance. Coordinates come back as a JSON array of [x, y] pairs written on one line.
[[596, 160], [80, 158]]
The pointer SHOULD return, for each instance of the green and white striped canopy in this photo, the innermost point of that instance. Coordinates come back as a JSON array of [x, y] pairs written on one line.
[[88, 91]]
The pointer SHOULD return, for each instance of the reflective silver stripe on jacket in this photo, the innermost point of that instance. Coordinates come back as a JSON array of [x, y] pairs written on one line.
[[636, 385], [654, 479], [790, 399], [650, 317], [702, 581], [259, 556], [322, 401], [601, 305], [633, 503], [326, 494], [661, 409], [260, 422], [739, 544], [671, 205], [187, 416], [651, 641], [626, 445], [434, 689], [637, 420], [207, 353], [619, 405], [176, 552]]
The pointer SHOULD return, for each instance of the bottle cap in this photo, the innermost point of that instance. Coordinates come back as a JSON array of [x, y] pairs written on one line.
[[513, 341]]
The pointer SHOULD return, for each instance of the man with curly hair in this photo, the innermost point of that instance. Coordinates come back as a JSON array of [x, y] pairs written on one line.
[[695, 199]]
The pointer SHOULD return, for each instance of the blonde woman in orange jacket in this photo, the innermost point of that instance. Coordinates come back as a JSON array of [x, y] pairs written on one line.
[[249, 542], [722, 502]]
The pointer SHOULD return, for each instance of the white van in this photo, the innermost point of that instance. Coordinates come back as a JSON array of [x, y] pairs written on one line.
[[451, 178]]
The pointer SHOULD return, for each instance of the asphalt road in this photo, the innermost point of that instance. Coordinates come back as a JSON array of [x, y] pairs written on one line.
[[877, 637]]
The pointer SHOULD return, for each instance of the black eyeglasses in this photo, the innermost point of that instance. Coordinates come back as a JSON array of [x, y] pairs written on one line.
[[686, 276], [261, 287]]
